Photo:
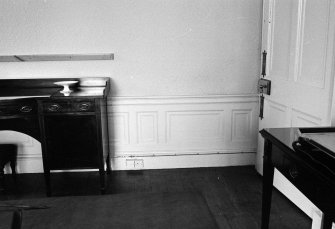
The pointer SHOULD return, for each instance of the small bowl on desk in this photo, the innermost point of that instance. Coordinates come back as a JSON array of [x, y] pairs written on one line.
[[66, 86]]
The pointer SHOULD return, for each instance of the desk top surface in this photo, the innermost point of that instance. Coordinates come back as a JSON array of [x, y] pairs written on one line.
[[285, 135], [325, 135], [317, 144], [97, 87]]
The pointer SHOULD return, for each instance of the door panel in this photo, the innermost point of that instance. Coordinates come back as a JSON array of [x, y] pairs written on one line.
[[315, 22], [280, 39], [300, 118], [298, 36]]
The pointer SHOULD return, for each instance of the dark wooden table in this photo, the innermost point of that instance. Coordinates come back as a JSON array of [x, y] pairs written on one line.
[[72, 127], [308, 174]]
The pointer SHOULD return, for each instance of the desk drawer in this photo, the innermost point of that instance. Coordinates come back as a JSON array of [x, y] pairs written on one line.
[[56, 107], [69, 106], [298, 175], [84, 106], [17, 109], [303, 178]]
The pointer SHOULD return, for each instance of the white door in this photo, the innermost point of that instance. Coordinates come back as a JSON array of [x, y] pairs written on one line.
[[298, 36]]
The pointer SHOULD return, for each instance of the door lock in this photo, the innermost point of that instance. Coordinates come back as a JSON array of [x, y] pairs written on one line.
[[264, 86]]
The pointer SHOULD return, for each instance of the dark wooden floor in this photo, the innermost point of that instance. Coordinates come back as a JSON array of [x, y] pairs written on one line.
[[233, 194]]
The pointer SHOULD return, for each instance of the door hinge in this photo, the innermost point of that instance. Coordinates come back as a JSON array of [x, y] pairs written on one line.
[[264, 86], [261, 106], [264, 53]]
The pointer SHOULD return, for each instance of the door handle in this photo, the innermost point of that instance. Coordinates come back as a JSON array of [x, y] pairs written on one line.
[[264, 87]]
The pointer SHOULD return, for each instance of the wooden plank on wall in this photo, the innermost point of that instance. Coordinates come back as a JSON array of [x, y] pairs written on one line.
[[57, 57]]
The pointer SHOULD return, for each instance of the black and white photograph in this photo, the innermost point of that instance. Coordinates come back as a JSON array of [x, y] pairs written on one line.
[[167, 114]]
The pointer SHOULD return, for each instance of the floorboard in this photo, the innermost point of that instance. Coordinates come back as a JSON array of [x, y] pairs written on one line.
[[233, 194]]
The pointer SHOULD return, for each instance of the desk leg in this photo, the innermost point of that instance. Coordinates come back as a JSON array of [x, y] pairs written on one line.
[[102, 181], [327, 222], [2, 181], [268, 171], [108, 164], [47, 183]]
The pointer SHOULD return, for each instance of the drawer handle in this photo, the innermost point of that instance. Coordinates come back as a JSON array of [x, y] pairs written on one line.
[[294, 173], [26, 109], [84, 106], [54, 107]]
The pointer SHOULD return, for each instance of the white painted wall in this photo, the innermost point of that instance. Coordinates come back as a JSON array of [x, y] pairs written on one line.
[[163, 49]]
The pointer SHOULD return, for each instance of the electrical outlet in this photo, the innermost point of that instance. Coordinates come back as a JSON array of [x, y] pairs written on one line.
[[130, 163], [139, 163], [134, 163]]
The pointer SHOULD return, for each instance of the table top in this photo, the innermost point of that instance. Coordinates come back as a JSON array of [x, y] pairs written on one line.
[[323, 135], [286, 138], [285, 135], [97, 87]]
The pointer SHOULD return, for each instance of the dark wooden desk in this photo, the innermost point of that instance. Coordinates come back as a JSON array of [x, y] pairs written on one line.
[[309, 175], [72, 127]]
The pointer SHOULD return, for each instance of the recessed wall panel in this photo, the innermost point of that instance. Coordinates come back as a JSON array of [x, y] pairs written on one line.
[[200, 126], [147, 127], [120, 134], [241, 125]]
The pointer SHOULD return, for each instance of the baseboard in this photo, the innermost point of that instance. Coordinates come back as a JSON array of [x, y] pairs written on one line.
[[183, 161]]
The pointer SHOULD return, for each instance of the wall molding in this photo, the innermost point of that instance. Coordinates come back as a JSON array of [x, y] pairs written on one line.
[[183, 99], [187, 126], [187, 161], [135, 154]]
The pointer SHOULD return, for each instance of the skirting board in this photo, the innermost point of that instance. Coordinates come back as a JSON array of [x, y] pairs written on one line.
[[184, 161], [34, 165]]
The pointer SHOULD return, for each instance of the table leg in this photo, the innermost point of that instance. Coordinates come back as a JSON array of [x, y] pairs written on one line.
[[2, 181], [17, 219], [108, 164], [47, 183], [327, 222], [268, 171], [102, 181]]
